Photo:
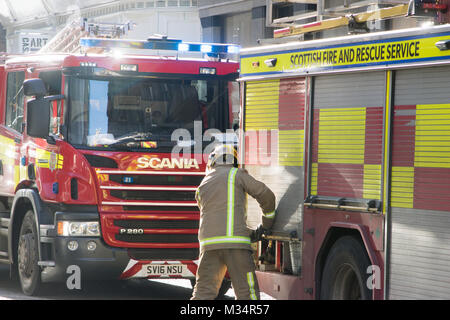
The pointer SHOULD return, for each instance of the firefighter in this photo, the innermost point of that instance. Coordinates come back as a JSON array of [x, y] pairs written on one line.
[[225, 240]]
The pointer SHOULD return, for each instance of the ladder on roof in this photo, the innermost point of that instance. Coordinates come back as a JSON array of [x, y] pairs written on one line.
[[68, 39], [349, 15], [344, 20]]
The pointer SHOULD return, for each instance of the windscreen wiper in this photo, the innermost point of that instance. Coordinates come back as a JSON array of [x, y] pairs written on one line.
[[129, 139]]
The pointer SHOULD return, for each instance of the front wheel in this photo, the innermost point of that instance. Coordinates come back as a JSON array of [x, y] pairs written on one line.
[[28, 256], [345, 274]]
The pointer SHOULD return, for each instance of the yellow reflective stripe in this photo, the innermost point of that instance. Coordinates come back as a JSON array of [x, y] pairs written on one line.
[[290, 147], [314, 177], [402, 187], [60, 161], [198, 199], [262, 99], [387, 121], [220, 240], [251, 285], [372, 181], [197, 193], [341, 143], [50, 160], [270, 215], [230, 204], [8, 151]]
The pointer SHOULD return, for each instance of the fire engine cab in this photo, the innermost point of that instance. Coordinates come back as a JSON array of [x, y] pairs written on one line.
[[88, 172]]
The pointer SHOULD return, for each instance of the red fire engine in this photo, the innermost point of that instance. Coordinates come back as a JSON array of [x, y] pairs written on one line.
[[87, 172], [352, 134]]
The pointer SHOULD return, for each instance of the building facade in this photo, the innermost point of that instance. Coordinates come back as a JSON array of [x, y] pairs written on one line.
[[26, 30], [244, 22], [249, 22]]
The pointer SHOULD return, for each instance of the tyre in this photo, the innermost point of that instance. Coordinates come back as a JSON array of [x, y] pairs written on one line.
[[345, 274], [27, 256]]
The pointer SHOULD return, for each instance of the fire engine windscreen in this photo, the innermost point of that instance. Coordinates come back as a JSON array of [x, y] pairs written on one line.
[[117, 112]]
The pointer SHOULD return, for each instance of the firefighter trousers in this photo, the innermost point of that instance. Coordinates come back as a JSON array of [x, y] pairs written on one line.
[[212, 268]]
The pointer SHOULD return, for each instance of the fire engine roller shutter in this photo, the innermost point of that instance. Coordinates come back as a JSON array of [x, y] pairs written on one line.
[[346, 147], [274, 146], [419, 265]]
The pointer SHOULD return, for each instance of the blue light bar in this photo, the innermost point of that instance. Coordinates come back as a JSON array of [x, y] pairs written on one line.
[[161, 44]]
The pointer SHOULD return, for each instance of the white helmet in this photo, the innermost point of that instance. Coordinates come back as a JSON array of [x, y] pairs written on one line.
[[223, 154]]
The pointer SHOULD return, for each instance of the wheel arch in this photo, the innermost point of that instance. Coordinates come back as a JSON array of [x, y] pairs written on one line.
[[24, 200], [336, 231]]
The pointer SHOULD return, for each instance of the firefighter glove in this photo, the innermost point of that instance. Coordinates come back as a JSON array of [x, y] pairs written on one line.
[[257, 234]]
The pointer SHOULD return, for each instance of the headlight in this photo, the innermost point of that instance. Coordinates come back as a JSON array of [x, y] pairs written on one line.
[[78, 229]]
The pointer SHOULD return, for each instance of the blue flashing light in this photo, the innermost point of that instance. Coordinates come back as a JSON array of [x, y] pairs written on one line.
[[233, 49], [183, 47], [206, 48]]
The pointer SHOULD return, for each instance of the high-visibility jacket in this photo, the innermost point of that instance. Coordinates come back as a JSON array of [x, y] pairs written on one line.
[[222, 199]]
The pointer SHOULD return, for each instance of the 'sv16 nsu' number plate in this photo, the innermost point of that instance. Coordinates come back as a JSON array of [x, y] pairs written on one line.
[[165, 269]]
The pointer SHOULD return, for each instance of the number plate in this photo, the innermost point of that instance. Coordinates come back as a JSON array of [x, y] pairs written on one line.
[[165, 269]]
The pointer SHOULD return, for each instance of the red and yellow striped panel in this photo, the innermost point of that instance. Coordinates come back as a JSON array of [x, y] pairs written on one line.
[[432, 136], [274, 122], [402, 187], [342, 135], [290, 147], [347, 152], [421, 157], [261, 105]]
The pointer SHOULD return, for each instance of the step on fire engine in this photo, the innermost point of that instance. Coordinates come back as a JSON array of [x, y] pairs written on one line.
[[353, 135], [87, 173]]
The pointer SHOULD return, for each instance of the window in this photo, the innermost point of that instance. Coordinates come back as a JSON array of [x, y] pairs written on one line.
[[52, 81], [238, 28], [15, 100], [105, 111]]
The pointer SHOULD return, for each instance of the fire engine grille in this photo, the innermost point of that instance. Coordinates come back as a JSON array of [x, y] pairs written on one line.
[[164, 254], [158, 238], [153, 180], [173, 209], [157, 224], [152, 195], [159, 195]]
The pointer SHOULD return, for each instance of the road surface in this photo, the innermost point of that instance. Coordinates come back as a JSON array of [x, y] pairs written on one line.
[[164, 289]]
